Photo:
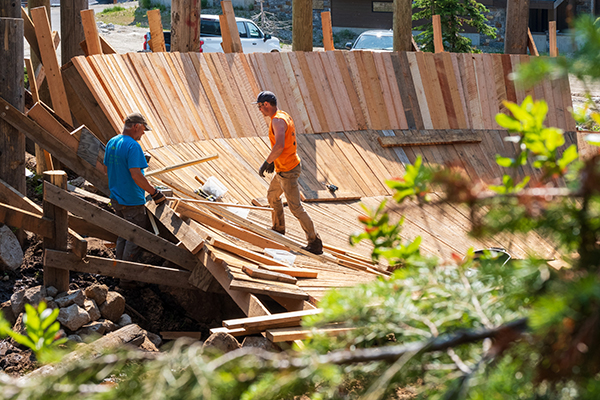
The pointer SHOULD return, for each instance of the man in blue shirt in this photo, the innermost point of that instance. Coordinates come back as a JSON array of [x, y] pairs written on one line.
[[125, 162]]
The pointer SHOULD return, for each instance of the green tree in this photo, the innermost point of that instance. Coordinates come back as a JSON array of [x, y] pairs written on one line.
[[454, 15]]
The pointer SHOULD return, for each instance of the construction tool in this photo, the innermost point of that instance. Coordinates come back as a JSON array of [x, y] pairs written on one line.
[[330, 187], [205, 195]]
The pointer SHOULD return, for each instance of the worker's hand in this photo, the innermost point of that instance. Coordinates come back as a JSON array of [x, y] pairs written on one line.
[[266, 167], [158, 197]]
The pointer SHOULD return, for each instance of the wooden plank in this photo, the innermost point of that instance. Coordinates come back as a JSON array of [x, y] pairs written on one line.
[[120, 226], [30, 35], [90, 29], [433, 137], [531, 44], [58, 95], [327, 32], [190, 238], [231, 27], [290, 334], [118, 269], [261, 288], [438, 42], [268, 275], [21, 219], [416, 91], [157, 38], [249, 254], [59, 241], [264, 322], [295, 272], [327, 195], [552, 39], [43, 118]]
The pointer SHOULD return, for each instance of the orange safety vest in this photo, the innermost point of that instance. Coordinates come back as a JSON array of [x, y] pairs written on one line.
[[289, 159]]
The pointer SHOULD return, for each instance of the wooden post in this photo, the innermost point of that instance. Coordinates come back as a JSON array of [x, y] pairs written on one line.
[[12, 142], [157, 38], [71, 28], [225, 36], [302, 24], [438, 41], [59, 278], [185, 25], [231, 26], [90, 29], [531, 44], [10, 9], [327, 31], [403, 25], [60, 104], [552, 39], [517, 21]]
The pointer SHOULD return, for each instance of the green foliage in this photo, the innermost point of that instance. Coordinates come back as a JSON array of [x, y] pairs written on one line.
[[112, 10], [42, 330], [454, 15]]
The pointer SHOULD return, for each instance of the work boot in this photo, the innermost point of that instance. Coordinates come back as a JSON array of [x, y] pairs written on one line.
[[281, 231], [315, 247]]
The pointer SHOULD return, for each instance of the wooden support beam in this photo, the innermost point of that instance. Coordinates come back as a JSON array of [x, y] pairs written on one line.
[[270, 321], [90, 29], [249, 254], [208, 219], [59, 278], [531, 44], [291, 271], [402, 26], [326, 195], [225, 36], [231, 27], [517, 21], [552, 39], [191, 239], [268, 275], [58, 95], [432, 137], [63, 153], [414, 46], [327, 31], [438, 41], [21, 219], [71, 28], [262, 288], [290, 334], [43, 118], [33, 87], [185, 25], [12, 142], [157, 38], [170, 168], [118, 269], [30, 33], [302, 21], [248, 303], [87, 228], [119, 226]]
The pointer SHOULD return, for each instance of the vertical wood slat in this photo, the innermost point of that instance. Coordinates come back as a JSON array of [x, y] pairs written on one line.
[[59, 278], [438, 41], [231, 27], [157, 38], [327, 31], [92, 40]]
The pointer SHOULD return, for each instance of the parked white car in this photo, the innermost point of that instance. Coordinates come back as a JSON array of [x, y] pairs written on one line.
[[253, 39], [373, 40]]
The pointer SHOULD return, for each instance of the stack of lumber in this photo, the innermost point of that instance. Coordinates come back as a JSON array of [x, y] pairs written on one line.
[[190, 97]]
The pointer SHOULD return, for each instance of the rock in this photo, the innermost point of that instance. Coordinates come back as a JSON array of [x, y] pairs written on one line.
[[124, 320], [73, 317], [154, 338], [50, 303], [222, 341], [148, 345], [261, 343], [93, 328], [113, 307], [71, 297], [109, 325], [75, 338], [11, 254], [92, 309], [7, 312], [97, 293], [34, 295], [51, 291], [19, 325], [17, 302]]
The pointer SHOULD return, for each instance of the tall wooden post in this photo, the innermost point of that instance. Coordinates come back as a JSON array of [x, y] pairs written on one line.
[[185, 25], [71, 29], [59, 278], [402, 25], [12, 142], [327, 31], [302, 25], [517, 22]]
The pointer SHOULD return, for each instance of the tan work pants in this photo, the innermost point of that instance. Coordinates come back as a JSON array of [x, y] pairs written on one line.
[[287, 183]]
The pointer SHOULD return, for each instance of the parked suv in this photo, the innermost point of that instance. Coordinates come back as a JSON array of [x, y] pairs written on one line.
[[252, 38]]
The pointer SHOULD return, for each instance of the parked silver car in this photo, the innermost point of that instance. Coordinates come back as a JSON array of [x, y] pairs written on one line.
[[373, 40]]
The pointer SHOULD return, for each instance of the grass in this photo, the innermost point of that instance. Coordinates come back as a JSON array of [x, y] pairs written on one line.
[[112, 10], [132, 16]]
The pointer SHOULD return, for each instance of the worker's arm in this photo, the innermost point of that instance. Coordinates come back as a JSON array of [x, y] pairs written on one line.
[[141, 181], [279, 128]]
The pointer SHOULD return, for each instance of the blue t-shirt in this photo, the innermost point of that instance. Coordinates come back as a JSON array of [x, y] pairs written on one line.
[[122, 153]]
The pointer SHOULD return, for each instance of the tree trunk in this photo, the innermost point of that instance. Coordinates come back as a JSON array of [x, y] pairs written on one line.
[[302, 25], [402, 25], [517, 21], [71, 29], [185, 25]]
